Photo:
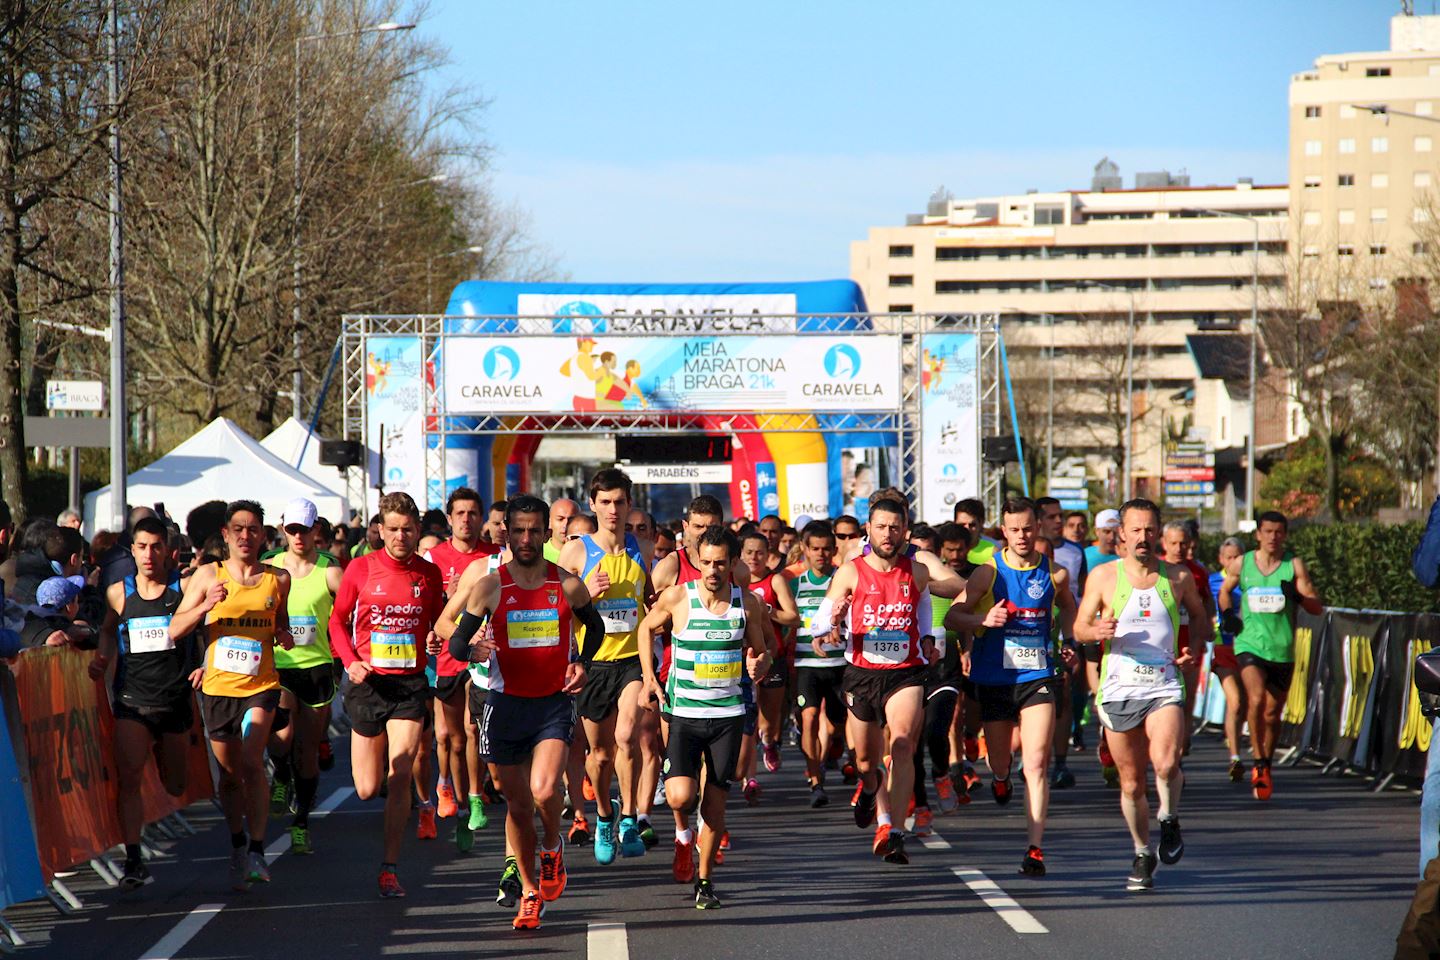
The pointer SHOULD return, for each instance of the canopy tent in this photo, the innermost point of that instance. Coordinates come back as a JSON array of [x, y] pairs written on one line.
[[287, 440], [221, 462]]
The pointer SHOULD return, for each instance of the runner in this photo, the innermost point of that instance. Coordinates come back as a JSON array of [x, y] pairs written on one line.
[[1222, 660], [1178, 548], [1130, 623], [817, 674], [1272, 583], [529, 712], [243, 604], [1011, 663], [393, 597], [889, 644], [1072, 558], [1107, 533], [1077, 527], [774, 593], [716, 637], [614, 565], [154, 683], [771, 528], [307, 677], [562, 511], [970, 514]]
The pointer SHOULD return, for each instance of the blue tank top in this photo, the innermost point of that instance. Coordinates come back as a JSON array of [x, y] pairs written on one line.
[[1019, 651]]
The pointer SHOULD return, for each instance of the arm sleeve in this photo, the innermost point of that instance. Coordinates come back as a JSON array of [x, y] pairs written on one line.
[[594, 631], [925, 615], [465, 631], [823, 621], [341, 643]]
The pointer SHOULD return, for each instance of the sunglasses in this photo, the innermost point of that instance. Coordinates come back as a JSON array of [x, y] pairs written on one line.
[[847, 536]]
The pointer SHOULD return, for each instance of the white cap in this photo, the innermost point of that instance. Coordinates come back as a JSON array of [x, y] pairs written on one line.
[[1107, 519], [299, 513]]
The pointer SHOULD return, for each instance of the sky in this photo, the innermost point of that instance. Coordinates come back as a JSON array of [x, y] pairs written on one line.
[[678, 141]]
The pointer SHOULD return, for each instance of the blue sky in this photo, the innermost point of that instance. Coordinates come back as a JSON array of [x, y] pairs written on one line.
[[754, 141]]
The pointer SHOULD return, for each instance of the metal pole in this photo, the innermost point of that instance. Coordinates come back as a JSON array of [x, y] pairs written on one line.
[[1129, 398], [1254, 388], [297, 382], [1050, 412], [117, 288]]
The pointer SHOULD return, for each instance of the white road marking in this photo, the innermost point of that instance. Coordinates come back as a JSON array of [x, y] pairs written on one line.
[[998, 900], [174, 941], [935, 842], [607, 941]]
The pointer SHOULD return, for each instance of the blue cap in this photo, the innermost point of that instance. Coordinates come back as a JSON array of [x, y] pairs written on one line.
[[57, 592]]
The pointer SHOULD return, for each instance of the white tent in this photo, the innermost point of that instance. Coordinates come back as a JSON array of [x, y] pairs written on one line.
[[221, 462], [286, 442]]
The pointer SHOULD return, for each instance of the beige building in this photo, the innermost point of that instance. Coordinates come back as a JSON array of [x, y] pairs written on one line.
[[1066, 268]]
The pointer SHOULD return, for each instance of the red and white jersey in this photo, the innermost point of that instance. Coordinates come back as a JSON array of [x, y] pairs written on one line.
[[883, 631], [392, 606], [533, 636], [1201, 577], [452, 564], [765, 590]]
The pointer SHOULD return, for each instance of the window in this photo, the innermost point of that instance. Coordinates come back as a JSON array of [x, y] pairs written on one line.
[[1347, 112], [1378, 214], [1345, 250], [1377, 249], [1379, 181], [1422, 179], [1420, 215], [1342, 216], [1347, 180], [1423, 144], [1312, 218], [1312, 112], [1424, 108], [1047, 214], [902, 250], [1379, 144], [902, 308], [1418, 247], [1377, 71], [1312, 148], [1312, 183], [1311, 251], [1347, 145], [902, 280], [1294, 422]]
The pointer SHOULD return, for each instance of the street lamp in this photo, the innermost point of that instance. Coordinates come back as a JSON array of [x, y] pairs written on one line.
[[1129, 382], [388, 26], [430, 268]]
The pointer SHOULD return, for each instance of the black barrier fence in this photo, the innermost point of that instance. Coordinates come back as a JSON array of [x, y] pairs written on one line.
[[1353, 701]]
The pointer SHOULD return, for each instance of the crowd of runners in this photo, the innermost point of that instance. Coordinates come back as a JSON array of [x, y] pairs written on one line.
[[581, 668]]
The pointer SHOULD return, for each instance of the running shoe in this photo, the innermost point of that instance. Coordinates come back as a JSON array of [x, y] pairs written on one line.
[[579, 830], [552, 873], [864, 810], [136, 875], [1034, 863], [725, 840], [605, 840], [1260, 783], [478, 819], [1112, 776], [239, 865], [532, 908], [1103, 754], [1062, 778], [855, 796], [705, 898], [1172, 845], [447, 807], [509, 891], [327, 754], [923, 820], [971, 777], [752, 791], [279, 798], [818, 797], [256, 869], [390, 885], [630, 843], [1077, 743], [895, 848], [1001, 790], [881, 846], [491, 794], [588, 790], [1142, 872], [659, 798], [945, 794], [648, 835], [771, 753], [1237, 771], [425, 828], [682, 868], [300, 841], [849, 775], [464, 836]]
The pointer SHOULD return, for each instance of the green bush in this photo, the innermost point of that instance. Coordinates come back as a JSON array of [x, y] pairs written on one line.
[[1360, 565]]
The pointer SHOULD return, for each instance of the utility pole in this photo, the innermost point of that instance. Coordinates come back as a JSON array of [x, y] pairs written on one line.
[[118, 472]]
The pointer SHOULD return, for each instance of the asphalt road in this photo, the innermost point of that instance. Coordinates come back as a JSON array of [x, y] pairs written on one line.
[[1325, 869]]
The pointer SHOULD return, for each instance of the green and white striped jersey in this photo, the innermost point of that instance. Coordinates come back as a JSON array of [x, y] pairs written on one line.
[[708, 660], [809, 590]]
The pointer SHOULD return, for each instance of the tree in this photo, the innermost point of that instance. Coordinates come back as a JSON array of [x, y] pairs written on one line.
[[1100, 401]]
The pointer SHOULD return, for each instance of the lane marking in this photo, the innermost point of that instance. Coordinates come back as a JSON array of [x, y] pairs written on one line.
[[607, 941], [174, 941], [1018, 917], [935, 842]]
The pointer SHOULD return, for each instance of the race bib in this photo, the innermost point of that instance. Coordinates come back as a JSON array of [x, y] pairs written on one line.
[[717, 668], [1150, 671], [1024, 653], [1265, 600], [886, 646], [149, 634], [304, 630], [532, 628], [393, 650], [620, 614], [237, 655]]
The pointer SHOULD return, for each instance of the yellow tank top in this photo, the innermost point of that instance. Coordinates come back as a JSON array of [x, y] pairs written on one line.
[[623, 604], [240, 660]]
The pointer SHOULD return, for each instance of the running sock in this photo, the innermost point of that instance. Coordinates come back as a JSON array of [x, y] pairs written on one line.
[[1169, 792], [387, 867], [883, 819], [643, 818], [257, 846], [1142, 849], [442, 783], [545, 849], [284, 773], [132, 853], [1234, 758], [237, 841], [305, 790], [686, 836]]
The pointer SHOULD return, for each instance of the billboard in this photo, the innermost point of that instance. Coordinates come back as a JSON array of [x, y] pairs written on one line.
[[394, 421], [949, 407], [702, 374]]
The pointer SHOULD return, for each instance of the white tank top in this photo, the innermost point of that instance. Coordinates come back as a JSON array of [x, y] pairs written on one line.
[[1139, 664]]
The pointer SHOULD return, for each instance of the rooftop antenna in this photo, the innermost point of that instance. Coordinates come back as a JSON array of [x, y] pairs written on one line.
[[1407, 8]]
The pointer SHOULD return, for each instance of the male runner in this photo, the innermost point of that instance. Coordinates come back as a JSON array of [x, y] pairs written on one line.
[[1107, 533], [494, 529], [970, 514], [774, 594], [307, 676], [664, 544], [641, 524], [243, 604], [1222, 660], [1177, 550], [890, 642], [716, 636], [1071, 557], [1009, 602], [847, 532], [1272, 583], [393, 597], [1077, 527], [1130, 622], [615, 567], [562, 511], [817, 674], [453, 736], [529, 714], [771, 528], [153, 687]]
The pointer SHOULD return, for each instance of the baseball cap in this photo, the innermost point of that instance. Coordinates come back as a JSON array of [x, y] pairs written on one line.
[[57, 592], [1107, 519], [299, 513]]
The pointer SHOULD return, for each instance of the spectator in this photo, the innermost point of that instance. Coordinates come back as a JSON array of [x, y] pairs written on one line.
[[69, 518], [51, 620], [32, 566]]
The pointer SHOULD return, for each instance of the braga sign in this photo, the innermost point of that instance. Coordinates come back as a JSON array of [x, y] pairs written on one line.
[[589, 374]]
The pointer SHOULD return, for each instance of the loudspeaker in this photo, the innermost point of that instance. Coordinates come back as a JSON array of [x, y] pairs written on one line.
[[341, 453], [999, 449]]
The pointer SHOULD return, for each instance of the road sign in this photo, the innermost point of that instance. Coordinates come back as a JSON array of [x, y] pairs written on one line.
[[1074, 504], [1190, 488], [1065, 483], [75, 395], [1202, 501], [678, 472], [1188, 474]]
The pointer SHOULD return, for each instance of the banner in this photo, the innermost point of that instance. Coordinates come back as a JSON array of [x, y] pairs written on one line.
[[589, 374], [1401, 736], [70, 746], [1309, 642], [20, 875], [949, 408], [663, 312], [1344, 686], [394, 425]]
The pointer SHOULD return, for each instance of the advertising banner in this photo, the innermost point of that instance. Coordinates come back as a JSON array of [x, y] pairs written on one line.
[[20, 876], [592, 374], [1345, 685], [1401, 735], [1310, 640], [394, 421], [665, 312], [950, 463]]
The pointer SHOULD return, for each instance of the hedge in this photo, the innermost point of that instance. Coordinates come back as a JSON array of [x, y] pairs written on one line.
[[1360, 565]]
